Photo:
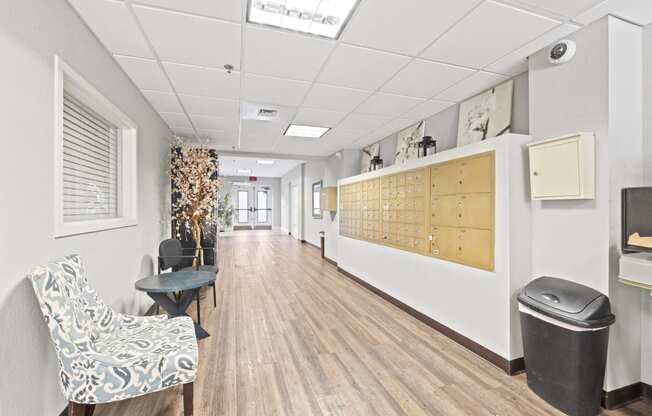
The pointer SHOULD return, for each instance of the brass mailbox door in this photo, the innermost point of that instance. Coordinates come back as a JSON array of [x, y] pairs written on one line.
[[444, 178], [443, 244], [474, 248], [444, 210], [475, 174], [475, 211]]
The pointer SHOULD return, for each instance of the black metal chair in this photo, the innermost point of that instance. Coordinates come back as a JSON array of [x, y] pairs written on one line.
[[171, 256]]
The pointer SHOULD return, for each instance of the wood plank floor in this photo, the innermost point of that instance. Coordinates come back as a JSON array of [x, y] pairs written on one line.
[[292, 336]]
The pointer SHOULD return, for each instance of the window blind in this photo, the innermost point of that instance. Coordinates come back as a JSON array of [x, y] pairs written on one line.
[[90, 163]]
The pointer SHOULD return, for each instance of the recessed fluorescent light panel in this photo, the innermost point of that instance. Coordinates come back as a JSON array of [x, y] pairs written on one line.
[[266, 162], [316, 17], [312, 132], [244, 171]]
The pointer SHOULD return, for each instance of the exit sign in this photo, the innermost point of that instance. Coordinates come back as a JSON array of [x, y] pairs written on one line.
[[253, 179]]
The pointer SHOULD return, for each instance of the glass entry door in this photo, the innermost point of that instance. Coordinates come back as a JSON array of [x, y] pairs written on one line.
[[242, 210], [263, 210], [253, 208]]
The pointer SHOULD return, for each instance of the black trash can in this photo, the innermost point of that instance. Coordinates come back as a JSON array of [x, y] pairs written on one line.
[[565, 329]]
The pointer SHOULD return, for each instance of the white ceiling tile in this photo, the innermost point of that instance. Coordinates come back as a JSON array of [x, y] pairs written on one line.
[[114, 26], [318, 117], [368, 139], [218, 137], [424, 79], [184, 132], [145, 73], [182, 38], [210, 106], [300, 146], [398, 125], [427, 109], [203, 122], [474, 85], [163, 101], [406, 27], [284, 54], [270, 90], [256, 145], [176, 120], [224, 9], [333, 98], [193, 80], [489, 32], [565, 8], [267, 130], [637, 11], [355, 67], [363, 122], [516, 62], [388, 104]]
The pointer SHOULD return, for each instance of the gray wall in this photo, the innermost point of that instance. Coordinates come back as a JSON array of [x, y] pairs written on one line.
[[31, 33], [443, 125], [598, 91]]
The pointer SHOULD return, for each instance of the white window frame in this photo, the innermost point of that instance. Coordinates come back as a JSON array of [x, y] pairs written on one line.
[[66, 77]]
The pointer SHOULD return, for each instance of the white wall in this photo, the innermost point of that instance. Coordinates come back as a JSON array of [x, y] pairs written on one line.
[[646, 324], [340, 165], [598, 91], [31, 33], [478, 304], [292, 178]]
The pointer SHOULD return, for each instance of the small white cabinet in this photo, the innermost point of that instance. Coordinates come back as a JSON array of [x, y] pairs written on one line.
[[563, 167]]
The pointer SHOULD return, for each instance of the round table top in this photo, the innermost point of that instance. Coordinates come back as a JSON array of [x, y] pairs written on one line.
[[175, 281]]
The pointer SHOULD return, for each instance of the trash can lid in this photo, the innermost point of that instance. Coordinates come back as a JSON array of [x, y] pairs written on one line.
[[568, 302]]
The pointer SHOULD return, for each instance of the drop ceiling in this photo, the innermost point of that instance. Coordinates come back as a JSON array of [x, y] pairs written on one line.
[[231, 165], [391, 66]]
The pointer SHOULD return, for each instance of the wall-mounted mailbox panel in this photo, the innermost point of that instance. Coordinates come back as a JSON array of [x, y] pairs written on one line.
[[563, 167], [445, 210]]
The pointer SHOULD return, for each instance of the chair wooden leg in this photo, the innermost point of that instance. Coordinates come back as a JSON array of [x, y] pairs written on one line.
[[188, 399], [78, 409], [214, 297], [198, 310]]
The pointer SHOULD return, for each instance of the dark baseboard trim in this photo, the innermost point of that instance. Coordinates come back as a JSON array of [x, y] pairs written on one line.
[[510, 367], [331, 261], [310, 244], [625, 395]]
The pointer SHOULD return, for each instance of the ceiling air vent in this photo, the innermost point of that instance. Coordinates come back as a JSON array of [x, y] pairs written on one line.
[[267, 113], [253, 111]]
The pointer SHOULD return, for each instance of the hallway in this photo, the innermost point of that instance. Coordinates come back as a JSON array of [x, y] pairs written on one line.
[[292, 336]]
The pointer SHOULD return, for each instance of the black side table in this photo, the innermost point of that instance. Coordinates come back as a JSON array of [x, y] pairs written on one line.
[[159, 287]]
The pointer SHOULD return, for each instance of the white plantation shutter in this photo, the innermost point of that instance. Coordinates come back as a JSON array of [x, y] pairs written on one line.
[[90, 164]]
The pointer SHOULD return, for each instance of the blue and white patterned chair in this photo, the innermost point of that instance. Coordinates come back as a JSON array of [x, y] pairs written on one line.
[[105, 356]]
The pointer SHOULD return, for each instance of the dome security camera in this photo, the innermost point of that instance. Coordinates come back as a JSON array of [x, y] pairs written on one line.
[[562, 52]]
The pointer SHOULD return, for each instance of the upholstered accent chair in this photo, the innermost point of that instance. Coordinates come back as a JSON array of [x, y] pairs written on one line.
[[105, 356]]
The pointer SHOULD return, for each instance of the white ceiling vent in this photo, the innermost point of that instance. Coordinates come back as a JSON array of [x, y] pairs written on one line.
[[252, 111]]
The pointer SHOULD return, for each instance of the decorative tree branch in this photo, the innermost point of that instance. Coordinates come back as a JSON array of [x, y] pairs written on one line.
[[195, 184]]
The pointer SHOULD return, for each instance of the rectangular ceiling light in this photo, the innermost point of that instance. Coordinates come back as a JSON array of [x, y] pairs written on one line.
[[316, 17], [312, 132], [244, 171], [266, 162]]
